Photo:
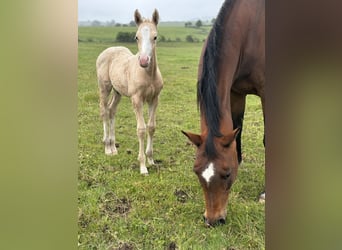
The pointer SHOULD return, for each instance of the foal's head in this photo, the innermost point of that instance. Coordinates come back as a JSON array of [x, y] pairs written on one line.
[[216, 170], [146, 37]]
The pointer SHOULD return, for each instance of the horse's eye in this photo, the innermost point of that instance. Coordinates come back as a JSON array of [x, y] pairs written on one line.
[[155, 38], [136, 38]]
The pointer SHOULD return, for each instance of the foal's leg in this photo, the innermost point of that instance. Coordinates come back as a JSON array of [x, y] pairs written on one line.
[[151, 126], [104, 91], [238, 102], [141, 130], [112, 111]]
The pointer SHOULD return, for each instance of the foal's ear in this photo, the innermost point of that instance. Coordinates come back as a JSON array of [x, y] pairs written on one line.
[[155, 16], [228, 139], [137, 17], [195, 139]]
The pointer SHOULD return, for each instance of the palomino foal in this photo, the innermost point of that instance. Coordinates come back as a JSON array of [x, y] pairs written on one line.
[[135, 76]]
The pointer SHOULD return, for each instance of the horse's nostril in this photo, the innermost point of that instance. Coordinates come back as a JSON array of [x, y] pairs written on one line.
[[222, 221], [206, 222]]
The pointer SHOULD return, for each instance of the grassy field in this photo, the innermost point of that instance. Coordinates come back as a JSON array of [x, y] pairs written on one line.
[[119, 208]]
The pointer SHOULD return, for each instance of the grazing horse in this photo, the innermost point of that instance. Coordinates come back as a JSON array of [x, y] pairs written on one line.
[[135, 76], [232, 65]]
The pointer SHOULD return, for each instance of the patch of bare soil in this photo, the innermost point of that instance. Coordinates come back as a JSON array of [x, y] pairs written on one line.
[[172, 246], [113, 206], [181, 195], [124, 246]]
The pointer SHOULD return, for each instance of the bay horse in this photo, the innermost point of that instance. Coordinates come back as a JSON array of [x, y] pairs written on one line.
[[135, 76], [232, 65]]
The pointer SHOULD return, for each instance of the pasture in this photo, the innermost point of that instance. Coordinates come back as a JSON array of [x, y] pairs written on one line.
[[121, 209]]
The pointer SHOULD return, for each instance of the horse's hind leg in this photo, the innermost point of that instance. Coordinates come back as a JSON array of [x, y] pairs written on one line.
[[151, 126], [112, 111], [104, 91], [141, 131], [262, 196]]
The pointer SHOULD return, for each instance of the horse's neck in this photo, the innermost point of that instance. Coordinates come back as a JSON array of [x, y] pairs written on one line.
[[152, 68], [226, 123]]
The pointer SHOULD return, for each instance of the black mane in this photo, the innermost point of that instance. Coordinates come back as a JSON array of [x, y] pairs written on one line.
[[207, 97]]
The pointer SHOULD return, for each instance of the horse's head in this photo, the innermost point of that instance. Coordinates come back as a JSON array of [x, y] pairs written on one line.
[[216, 173], [146, 37]]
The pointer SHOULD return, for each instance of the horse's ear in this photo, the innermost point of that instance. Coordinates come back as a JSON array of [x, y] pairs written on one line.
[[228, 139], [137, 17], [195, 139], [155, 17], [236, 132]]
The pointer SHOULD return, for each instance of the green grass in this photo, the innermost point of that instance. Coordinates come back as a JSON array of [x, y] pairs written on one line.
[[118, 207]]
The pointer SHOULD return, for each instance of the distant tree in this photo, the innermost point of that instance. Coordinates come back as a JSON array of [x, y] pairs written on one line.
[[132, 23], [188, 24], [162, 39], [95, 23], [110, 23], [189, 39], [199, 24], [125, 37], [118, 25]]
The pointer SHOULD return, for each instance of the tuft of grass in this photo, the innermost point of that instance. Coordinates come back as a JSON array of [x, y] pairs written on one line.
[[119, 208]]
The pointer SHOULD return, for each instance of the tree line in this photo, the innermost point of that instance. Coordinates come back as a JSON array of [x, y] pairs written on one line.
[[95, 23], [128, 37]]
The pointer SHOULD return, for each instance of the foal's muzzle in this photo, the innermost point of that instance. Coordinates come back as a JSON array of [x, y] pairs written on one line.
[[144, 61]]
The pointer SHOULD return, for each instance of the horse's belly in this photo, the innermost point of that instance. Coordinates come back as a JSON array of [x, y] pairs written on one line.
[[119, 75], [244, 86]]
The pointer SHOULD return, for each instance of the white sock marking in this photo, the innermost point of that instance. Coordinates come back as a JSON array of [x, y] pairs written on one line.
[[208, 172]]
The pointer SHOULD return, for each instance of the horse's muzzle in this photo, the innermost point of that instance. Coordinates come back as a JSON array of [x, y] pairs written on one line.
[[213, 223], [144, 61]]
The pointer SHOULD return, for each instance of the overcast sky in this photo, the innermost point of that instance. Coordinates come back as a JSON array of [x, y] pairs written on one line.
[[121, 11]]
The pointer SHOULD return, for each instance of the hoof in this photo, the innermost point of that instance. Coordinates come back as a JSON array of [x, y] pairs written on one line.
[[143, 171], [150, 161], [111, 151], [262, 198]]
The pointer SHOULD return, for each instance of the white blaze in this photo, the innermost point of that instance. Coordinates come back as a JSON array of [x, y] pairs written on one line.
[[146, 47], [208, 172]]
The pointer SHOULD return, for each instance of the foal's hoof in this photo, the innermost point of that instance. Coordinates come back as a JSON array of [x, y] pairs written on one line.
[[143, 171], [150, 161], [111, 151], [262, 198]]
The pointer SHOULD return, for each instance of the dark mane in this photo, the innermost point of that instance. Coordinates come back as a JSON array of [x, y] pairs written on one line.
[[207, 97]]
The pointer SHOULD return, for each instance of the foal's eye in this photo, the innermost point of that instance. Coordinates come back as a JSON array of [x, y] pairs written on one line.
[[136, 38], [155, 38]]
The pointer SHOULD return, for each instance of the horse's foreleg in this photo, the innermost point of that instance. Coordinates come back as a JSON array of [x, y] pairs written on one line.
[[238, 102], [112, 111], [141, 131], [152, 106]]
